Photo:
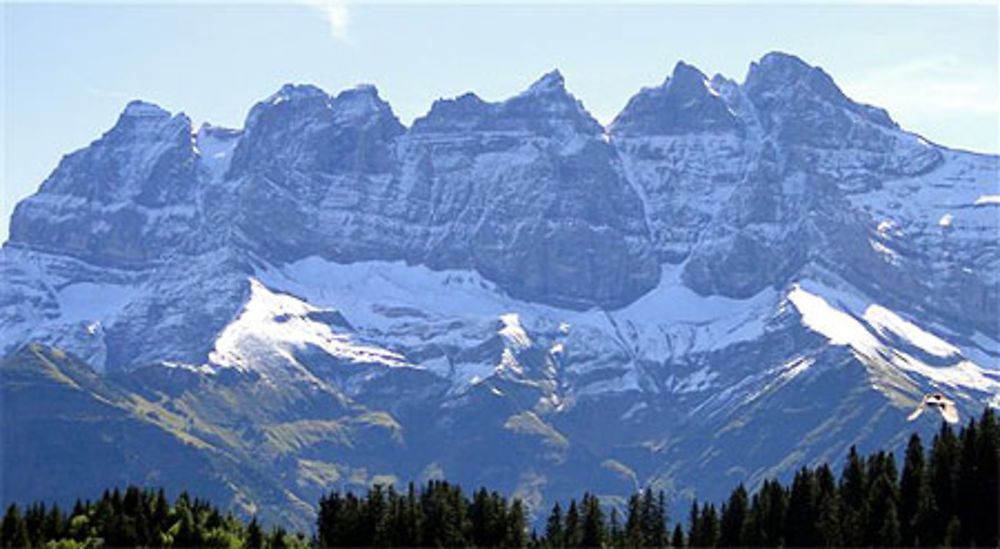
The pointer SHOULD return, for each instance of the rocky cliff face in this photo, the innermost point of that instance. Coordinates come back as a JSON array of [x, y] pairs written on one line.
[[510, 293]]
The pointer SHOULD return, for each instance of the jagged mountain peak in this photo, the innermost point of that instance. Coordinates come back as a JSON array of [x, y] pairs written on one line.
[[550, 82], [686, 73], [547, 106], [779, 62], [781, 73], [465, 112], [685, 102], [144, 109], [306, 103], [148, 122], [291, 91], [787, 82], [362, 104]]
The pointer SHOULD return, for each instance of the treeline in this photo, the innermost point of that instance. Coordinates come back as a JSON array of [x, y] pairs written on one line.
[[946, 495], [441, 515], [137, 518]]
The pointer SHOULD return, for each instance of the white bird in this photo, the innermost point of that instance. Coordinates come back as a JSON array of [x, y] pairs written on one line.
[[941, 404]]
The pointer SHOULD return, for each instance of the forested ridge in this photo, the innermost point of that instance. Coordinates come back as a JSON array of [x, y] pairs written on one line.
[[943, 495]]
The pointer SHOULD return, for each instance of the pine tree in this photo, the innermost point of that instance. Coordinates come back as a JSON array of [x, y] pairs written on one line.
[[279, 538], [633, 522], [660, 521], [734, 514], [709, 526], [677, 540], [594, 530], [21, 537], [888, 534], [616, 535], [9, 527], [801, 518], [255, 536], [987, 507], [694, 537], [828, 526], [554, 536], [853, 492], [652, 519], [516, 525], [911, 489], [967, 482], [942, 473], [773, 508], [883, 521], [574, 526]]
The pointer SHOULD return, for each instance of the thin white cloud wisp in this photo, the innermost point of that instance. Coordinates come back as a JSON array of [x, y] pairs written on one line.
[[337, 15]]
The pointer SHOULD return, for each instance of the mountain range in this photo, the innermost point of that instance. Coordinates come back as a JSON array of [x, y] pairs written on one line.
[[729, 281]]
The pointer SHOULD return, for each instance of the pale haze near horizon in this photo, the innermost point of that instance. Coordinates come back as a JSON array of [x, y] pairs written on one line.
[[69, 69]]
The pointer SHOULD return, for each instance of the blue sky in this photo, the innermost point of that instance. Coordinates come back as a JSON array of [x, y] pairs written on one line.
[[70, 68]]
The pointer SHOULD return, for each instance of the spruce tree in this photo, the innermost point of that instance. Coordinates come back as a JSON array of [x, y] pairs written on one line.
[[911, 489], [594, 529], [853, 499], [987, 506], [801, 518], [255, 536], [942, 472], [554, 536], [734, 514], [516, 526], [21, 537], [633, 522], [694, 536], [616, 534], [677, 540], [9, 527], [883, 521], [709, 526], [574, 526], [828, 509]]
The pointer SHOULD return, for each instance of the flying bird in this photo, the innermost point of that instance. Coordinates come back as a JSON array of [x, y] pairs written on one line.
[[941, 404]]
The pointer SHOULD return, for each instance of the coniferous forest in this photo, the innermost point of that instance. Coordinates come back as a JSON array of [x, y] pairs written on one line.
[[945, 494]]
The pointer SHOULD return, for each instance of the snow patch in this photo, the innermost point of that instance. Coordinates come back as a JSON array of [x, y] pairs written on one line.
[[273, 325], [844, 329], [839, 327], [512, 331], [885, 321]]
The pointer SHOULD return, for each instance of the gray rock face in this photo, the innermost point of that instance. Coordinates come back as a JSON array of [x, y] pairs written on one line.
[[526, 191], [124, 200], [685, 103], [532, 197]]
